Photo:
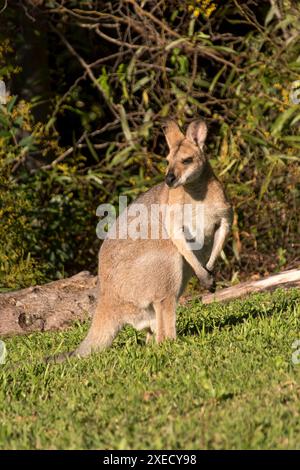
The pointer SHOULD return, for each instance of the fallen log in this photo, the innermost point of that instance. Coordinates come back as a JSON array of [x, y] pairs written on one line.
[[52, 306], [56, 305], [285, 279]]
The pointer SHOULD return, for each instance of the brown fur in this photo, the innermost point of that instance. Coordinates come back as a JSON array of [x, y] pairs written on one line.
[[141, 280]]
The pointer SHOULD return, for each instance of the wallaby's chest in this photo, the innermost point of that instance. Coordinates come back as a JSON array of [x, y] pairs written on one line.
[[201, 221], [199, 214]]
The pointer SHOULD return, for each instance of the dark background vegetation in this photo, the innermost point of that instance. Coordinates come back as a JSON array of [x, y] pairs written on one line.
[[90, 82]]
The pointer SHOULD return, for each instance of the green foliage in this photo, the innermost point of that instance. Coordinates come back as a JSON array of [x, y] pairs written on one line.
[[38, 210], [115, 71], [227, 382], [17, 267]]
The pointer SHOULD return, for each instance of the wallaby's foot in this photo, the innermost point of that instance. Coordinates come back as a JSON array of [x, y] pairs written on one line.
[[163, 336]]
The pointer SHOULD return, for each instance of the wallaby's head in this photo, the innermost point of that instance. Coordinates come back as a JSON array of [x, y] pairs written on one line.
[[186, 159]]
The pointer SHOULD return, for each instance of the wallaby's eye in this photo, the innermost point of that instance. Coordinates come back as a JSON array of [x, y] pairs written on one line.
[[187, 161]]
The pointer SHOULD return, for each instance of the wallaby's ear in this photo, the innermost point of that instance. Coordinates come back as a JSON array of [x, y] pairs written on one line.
[[172, 133], [197, 132]]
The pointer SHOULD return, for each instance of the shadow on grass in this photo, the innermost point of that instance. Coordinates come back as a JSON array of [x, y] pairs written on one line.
[[208, 318]]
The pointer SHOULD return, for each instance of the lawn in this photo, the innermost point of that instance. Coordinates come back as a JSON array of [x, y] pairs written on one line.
[[227, 382]]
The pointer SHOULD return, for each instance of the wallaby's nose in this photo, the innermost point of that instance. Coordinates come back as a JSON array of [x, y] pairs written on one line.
[[170, 178]]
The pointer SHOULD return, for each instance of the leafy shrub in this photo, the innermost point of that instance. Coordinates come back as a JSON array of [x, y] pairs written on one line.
[[115, 69]]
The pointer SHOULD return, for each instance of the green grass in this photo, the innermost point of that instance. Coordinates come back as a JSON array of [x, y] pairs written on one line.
[[227, 382]]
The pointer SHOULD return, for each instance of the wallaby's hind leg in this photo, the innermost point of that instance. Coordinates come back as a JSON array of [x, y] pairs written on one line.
[[165, 311], [149, 336]]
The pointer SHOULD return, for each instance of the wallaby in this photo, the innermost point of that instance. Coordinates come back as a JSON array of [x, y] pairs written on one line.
[[140, 280]]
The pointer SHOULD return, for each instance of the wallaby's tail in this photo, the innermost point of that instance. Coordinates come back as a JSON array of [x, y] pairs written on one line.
[[58, 358], [101, 334]]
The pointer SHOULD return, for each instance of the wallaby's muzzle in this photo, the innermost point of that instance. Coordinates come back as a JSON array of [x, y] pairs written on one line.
[[170, 179]]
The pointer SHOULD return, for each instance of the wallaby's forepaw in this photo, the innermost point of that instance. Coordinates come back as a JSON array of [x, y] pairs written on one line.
[[206, 279], [212, 289]]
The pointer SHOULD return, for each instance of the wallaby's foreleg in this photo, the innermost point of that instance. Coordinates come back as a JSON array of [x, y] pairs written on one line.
[[182, 246], [219, 241], [165, 311]]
